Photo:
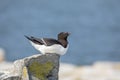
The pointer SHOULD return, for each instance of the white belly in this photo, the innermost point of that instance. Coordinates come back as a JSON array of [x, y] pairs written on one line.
[[58, 49]]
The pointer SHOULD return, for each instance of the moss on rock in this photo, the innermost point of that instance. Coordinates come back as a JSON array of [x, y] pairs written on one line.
[[40, 70]]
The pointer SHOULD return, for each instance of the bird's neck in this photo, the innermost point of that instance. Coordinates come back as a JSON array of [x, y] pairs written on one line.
[[64, 42]]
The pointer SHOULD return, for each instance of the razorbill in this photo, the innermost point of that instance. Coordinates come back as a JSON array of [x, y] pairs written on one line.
[[50, 45]]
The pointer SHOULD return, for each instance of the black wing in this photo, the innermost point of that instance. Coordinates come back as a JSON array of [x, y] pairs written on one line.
[[50, 41], [43, 41]]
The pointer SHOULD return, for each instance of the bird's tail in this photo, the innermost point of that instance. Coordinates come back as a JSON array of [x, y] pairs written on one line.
[[28, 38], [34, 40]]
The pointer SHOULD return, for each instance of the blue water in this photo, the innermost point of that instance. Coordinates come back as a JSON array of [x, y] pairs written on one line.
[[94, 26]]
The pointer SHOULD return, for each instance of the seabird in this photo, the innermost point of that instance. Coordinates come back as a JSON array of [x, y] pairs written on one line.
[[50, 45]]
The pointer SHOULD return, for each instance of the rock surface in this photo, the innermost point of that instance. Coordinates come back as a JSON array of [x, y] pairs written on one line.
[[40, 67], [97, 71], [36, 67]]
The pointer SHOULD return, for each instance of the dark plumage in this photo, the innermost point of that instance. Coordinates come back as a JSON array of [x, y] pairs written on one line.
[[62, 40], [49, 45]]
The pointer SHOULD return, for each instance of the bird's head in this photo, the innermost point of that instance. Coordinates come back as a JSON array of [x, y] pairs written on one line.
[[63, 35]]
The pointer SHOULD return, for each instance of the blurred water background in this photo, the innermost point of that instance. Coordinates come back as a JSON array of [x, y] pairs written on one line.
[[94, 26]]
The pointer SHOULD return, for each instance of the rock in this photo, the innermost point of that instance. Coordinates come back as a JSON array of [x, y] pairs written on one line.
[[36, 67], [46, 67], [12, 78], [1, 74], [97, 71], [43, 67]]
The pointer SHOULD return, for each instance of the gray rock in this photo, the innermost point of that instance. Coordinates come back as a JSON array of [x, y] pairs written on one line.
[[36, 67], [12, 78], [1, 74], [43, 67]]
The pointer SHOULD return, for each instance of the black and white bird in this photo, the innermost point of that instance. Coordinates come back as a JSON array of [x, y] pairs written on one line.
[[49, 45]]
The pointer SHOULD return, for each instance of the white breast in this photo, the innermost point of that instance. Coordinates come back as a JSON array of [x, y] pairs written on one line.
[[58, 49]]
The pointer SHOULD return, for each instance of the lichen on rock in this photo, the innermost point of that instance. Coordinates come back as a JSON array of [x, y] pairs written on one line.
[[40, 70]]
